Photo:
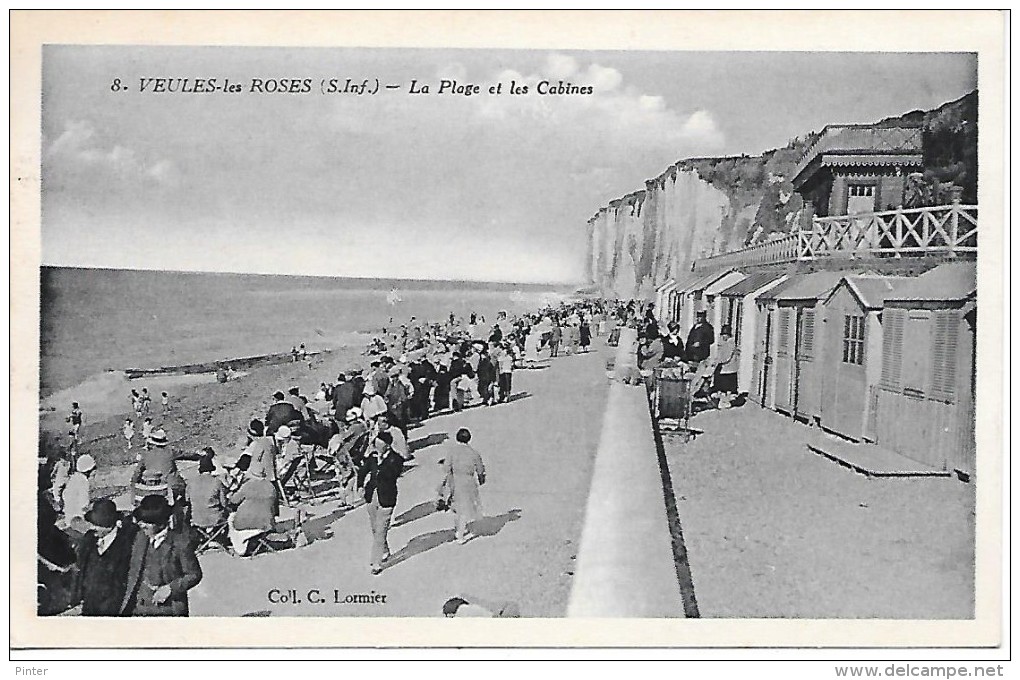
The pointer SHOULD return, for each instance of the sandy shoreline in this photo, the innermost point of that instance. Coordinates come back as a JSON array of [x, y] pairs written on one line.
[[203, 411]]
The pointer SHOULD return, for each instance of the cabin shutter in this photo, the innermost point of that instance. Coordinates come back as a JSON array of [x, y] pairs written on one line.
[[892, 347], [784, 331], [807, 340], [943, 372]]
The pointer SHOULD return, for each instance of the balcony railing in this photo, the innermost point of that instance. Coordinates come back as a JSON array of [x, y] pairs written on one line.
[[785, 249], [945, 229]]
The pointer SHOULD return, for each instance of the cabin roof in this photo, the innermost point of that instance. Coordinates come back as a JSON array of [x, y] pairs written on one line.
[[805, 286], [752, 283], [722, 284], [872, 291], [946, 282], [705, 281], [665, 286]]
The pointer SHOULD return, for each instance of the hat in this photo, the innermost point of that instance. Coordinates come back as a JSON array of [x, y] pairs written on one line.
[[283, 432], [158, 438], [256, 428], [103, 513], [86, 463], [295, 390], [154, 509], [353, 413]]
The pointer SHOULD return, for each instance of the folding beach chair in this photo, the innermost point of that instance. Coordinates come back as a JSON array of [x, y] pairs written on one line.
[[287, 533], [209, 537], [297, 478]]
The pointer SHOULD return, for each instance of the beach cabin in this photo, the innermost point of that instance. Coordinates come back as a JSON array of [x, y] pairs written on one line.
[[662, 306], [740, 312], [788, 343], [677, 297], [693, 295], [926, 390], [712, 301], [852, 356]]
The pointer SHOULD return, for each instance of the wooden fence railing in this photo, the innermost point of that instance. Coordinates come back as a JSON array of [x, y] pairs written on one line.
[[948, 229]]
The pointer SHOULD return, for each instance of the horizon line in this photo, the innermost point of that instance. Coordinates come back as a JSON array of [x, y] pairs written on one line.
[[574, 284]]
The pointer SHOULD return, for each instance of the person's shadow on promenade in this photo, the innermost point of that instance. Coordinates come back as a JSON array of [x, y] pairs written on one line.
[[423, 509], [484, 527], [321, 528], [427, 441]]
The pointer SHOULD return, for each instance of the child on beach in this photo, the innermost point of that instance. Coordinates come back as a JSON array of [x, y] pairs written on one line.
[[146, 433], [136, 403], [146, 400], [75, 418], [129, 432], [165, 398]]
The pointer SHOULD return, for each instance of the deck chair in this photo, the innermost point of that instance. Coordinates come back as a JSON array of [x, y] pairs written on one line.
[[288, 533], [297, 478], [210, 536]]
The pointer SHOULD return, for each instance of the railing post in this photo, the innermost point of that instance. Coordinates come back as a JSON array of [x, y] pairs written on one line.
[[954, 219]]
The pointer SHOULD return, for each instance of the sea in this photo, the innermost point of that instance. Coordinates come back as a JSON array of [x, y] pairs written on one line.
[[98, 322]]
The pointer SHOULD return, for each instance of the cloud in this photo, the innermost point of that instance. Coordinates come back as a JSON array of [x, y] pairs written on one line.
[[603, 78], [615, 115], [702, 125], [560, 66], [78, 148]]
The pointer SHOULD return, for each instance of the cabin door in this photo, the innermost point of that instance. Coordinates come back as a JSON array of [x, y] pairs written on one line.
[[766, 359], [845, 403], [783, 366]]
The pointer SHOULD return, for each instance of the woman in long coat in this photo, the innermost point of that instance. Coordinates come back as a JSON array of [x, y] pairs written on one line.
[[464, 474], [585, 336]]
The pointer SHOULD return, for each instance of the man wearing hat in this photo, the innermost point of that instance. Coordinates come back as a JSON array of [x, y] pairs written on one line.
[[281, 413], [163, 566], [156, 470], [343, 395], [700, 339], [383, 467], [103, 557]]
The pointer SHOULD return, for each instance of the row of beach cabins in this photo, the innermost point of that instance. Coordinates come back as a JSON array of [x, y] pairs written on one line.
[[871, 357]]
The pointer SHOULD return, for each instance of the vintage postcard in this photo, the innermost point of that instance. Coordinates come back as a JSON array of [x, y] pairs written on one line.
[[651, 329]]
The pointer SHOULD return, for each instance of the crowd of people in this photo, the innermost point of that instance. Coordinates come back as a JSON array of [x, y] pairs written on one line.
[[354, 428], [710, 362]]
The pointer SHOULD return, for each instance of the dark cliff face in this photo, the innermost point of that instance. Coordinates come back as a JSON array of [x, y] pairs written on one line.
[[705, 206]]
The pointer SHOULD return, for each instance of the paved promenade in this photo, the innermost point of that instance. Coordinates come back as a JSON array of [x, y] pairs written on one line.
[[539, 452]]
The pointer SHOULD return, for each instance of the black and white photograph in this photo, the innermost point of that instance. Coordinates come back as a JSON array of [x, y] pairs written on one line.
[[341, 331]]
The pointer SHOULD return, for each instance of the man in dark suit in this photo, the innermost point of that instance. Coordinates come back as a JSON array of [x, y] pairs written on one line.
[[163, 566], [700, 339], [422, 375], [103, 556], [383, 467], [281, 413], [343, 396]]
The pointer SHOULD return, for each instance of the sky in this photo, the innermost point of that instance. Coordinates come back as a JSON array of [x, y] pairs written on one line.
[[493, 187]]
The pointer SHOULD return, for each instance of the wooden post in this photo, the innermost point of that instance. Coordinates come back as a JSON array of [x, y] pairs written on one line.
[[954, 219]]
